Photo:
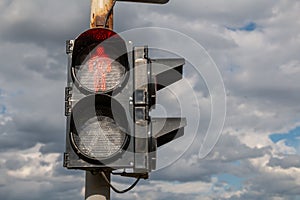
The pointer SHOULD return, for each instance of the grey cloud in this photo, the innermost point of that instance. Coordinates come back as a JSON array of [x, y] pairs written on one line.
[[62, 185], [231, 149], [60, 171], [35, 85], [30, 80], [160, 195], [36, 190], [50, 66], [180, 13], [43, 23], [56, 146], [13, 164], [221, 160], [27, 131], [126, 14], [275, 184], [288, 161]]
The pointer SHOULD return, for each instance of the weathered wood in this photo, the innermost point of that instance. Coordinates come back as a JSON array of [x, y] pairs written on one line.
[[99, 10]]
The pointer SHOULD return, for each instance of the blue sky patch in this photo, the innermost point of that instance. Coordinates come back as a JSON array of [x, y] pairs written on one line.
[[233, 181], [2, 109], [251, 26], [292, 138]]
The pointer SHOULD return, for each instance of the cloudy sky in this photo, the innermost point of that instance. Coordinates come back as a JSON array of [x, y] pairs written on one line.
[[256, 46]]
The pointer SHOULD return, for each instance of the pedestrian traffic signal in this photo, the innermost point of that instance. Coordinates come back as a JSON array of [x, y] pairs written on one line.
[[110, 93], [98, 71]]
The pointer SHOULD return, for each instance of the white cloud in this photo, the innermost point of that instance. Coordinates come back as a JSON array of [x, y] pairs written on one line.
[[37, 164], [4, 120], [260, 69], [34, 175], [291, 68]]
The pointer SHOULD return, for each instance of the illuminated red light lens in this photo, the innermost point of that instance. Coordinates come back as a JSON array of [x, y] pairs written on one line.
[[99, 73], [99, 61]]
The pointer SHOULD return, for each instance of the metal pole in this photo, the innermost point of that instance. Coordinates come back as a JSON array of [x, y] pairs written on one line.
[[99, 10], [96, 188]]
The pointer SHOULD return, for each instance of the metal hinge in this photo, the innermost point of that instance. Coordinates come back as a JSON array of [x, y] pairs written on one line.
[[140, 97], [66, 160], [68, 103], [141, 106], [69, 46]]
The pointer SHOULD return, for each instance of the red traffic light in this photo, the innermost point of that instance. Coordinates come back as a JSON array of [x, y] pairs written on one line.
[[99, 62]]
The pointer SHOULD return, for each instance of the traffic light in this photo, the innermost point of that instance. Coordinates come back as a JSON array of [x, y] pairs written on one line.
[[108, 100], [98, 71]]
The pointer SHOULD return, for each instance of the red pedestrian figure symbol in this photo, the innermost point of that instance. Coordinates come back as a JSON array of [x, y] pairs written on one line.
[[99, 64]]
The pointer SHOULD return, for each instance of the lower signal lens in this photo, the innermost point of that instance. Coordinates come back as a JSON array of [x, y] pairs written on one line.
[[94, 133]]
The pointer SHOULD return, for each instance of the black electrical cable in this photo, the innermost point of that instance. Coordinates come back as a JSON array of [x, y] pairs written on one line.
[[115, 189], [109, 13]]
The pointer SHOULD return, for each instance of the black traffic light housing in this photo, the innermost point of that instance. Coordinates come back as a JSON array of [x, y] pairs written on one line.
[[98, 130], [109, 96]]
